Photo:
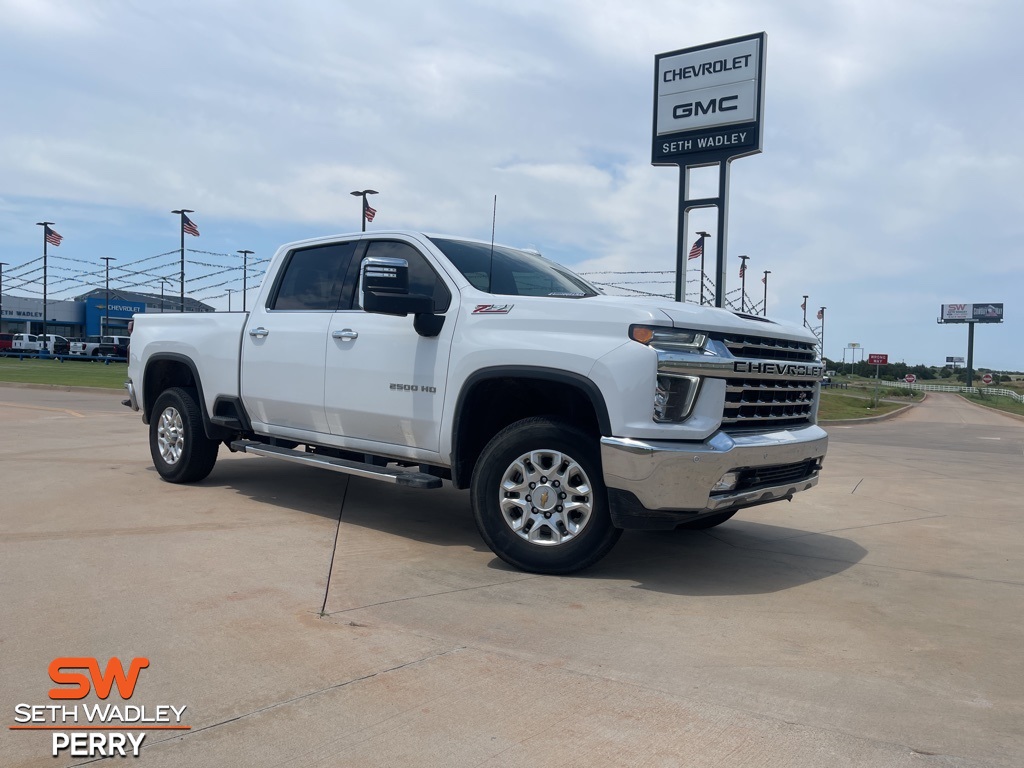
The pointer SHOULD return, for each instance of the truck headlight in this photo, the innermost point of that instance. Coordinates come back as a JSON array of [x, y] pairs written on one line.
[[675, 339], [674, 397]]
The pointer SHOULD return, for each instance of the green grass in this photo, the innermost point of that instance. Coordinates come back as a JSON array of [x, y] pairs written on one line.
[[835, 407], [999, 403], [70, 373]]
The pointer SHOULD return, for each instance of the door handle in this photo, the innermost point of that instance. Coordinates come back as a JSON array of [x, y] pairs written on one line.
[[346, 334], [259, 333]]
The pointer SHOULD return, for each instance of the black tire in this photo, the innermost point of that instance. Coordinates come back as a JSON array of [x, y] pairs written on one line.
[[556, 548], [708, 521], [182, 453]]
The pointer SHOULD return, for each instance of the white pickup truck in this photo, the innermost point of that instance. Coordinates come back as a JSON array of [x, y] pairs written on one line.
[[412, 358]]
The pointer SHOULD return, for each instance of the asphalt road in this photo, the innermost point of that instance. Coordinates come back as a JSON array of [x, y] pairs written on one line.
[[873, 621]]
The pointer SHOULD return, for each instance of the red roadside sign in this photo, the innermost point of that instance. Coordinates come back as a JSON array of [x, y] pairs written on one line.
[[910, 378], [987, 378], [878, 359]]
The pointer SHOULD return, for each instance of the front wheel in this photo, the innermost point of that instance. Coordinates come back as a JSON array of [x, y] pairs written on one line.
[[539, 498], [182, 453]]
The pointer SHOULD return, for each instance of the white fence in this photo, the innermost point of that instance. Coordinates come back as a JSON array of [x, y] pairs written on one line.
[[966, 390]]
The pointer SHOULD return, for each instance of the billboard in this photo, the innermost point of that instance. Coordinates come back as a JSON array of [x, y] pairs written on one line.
[[878, 359], [954, 360], [708, 100], [971, 313]]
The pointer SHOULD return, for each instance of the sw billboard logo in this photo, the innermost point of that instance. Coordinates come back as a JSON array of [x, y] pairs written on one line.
[[102, 682]]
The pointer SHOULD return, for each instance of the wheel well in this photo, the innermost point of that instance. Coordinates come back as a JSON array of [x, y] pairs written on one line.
[[490, 405], [162, 375]]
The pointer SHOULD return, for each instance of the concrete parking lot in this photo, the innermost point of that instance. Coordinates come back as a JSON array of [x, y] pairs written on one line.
[[873, 621]]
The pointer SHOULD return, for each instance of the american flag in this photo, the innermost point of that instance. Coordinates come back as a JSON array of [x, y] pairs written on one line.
[[804, 305], [743, 269], [370, 213], [188, 226], [821, 313], [698, 249], [52, 237], [765, 279]]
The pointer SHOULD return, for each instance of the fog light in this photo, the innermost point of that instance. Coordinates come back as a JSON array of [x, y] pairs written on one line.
[[727, 483]]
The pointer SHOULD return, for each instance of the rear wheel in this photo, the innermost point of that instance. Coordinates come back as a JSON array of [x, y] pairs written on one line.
[[539, 498], [182, 453]]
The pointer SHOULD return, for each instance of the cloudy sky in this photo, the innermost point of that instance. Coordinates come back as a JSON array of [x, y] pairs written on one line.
[[889, 182]]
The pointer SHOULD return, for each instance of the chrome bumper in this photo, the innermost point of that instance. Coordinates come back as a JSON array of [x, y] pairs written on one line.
[[678, 476]]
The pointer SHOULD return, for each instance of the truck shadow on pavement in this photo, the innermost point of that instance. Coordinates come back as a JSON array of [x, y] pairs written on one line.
[[737, 558]]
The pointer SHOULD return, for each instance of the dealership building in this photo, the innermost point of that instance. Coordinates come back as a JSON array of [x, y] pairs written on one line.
[[89, 314]]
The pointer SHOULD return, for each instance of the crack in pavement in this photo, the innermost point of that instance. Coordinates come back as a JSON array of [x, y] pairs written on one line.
[[292, 700]]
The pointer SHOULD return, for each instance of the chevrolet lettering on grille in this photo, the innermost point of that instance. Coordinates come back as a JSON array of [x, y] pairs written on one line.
[[779, 369]]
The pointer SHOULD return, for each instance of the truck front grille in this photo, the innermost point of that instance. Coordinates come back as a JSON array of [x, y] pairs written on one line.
[[776, 475], [765, 348], [763, 403]]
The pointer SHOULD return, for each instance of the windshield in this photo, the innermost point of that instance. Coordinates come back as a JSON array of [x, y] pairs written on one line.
[[512, 272]]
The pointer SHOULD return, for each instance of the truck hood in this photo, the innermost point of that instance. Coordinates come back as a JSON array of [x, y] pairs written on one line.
[[705, 318]]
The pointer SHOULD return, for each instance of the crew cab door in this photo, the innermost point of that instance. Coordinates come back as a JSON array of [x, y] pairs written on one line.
[[286, 338], [385, 382]]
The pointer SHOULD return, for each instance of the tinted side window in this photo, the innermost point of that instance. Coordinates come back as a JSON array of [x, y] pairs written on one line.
[[422, 278], [313, 277]]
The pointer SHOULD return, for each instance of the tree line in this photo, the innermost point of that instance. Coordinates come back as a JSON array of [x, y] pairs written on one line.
[[897, 371]]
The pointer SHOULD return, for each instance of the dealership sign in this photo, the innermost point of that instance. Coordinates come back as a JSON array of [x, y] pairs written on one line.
[[878, 359], [971, 313], [708, 100]]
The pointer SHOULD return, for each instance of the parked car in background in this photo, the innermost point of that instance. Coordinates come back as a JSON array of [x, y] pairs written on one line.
[[6, 342], [114, 346], [56, 345], [22, 343], [89, 346]]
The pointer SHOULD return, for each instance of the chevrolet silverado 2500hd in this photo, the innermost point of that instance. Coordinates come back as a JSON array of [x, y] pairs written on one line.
[[412, 358]]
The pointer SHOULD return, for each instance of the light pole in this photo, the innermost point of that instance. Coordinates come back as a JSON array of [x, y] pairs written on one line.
[[363, 194], [821, 316], [162, 281], [804, 308], [764, 308], [245, 274], [181, 288], [743, 282], [2, 265], [229, 298], [106, 303]]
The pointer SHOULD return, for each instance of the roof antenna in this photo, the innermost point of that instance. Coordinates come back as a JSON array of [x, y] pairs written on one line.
[[490, 267]]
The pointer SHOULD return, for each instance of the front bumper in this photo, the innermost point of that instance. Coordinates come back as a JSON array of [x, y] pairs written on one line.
[[672, 481]]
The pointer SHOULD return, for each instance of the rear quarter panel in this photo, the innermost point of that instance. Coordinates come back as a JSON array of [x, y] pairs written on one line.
[[209, 340]]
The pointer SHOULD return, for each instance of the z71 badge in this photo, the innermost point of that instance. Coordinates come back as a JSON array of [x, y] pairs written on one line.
[[493, 309]]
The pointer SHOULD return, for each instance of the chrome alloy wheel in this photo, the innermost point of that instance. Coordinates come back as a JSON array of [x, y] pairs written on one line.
[[546, 497], [170, 435]]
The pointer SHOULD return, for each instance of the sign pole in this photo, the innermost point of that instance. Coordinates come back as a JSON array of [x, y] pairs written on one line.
[[708, 106], [970, 355]]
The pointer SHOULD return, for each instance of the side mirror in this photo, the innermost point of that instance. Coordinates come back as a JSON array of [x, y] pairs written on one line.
[[386, 289]]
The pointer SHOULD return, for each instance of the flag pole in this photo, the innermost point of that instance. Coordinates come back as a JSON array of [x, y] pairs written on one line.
[[45, 225], [743, 282], [764, 306], [181, 278]]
